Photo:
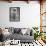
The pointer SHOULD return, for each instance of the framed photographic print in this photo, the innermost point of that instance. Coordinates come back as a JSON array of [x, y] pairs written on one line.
[[14, 14]]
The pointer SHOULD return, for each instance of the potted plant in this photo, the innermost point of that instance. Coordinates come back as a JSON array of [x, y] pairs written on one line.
[[37, 33]]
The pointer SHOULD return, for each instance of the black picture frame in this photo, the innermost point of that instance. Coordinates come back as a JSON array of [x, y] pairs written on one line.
[[14, 14]]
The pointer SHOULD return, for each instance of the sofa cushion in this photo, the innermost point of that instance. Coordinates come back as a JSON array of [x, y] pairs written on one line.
[[22, 38]]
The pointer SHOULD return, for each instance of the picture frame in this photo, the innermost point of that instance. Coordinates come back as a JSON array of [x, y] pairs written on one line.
[[14, 14]]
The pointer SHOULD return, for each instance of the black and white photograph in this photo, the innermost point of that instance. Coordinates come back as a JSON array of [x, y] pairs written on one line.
[[14, 14]]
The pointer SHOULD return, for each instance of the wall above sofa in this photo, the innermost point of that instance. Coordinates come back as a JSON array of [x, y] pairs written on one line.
[[29, 14]]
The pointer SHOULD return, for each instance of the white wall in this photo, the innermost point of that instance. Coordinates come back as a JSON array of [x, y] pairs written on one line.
[[29, 14]]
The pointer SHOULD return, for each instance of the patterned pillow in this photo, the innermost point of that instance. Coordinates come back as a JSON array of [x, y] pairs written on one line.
[[17, 30], [11, 30]]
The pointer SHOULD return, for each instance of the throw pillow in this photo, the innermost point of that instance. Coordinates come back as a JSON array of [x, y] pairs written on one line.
[[23, 30], [17, 30]]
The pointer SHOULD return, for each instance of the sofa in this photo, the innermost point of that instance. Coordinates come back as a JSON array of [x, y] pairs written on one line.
[[22, 34]]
